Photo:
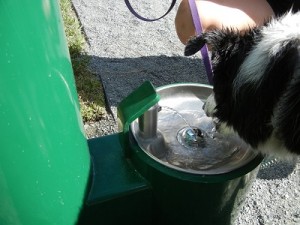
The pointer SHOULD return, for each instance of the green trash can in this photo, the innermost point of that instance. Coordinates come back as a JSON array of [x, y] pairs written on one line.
[[44, 158]]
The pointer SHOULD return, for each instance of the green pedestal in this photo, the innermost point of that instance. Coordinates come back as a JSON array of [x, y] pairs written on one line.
[[44, 159]]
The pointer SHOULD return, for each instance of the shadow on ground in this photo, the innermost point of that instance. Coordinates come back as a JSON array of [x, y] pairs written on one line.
[[120, 76], [272, 168]]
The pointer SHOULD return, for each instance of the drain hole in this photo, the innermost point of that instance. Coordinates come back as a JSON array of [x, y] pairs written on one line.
[[191, 137]]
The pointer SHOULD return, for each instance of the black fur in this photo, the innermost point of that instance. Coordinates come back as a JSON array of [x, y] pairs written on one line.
[[255, 109]]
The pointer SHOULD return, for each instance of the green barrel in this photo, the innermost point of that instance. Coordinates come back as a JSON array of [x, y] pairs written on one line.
[[44, 158]]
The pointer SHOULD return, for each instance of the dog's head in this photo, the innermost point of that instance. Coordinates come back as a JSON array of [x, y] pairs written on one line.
[[257, 80], [229, 49]]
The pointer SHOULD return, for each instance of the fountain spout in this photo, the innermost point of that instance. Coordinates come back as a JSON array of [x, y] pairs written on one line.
[[148, 122], [134, 106]]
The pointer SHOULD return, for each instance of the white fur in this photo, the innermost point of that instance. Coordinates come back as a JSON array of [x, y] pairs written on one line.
[[273, 146], [210, 105], [274, 36]]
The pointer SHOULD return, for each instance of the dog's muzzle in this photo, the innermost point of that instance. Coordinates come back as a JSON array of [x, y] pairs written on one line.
[[209, 105]]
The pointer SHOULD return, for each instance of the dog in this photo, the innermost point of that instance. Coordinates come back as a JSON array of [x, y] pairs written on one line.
[[256, 82]]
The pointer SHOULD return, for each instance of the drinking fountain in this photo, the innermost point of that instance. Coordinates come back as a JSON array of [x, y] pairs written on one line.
[[180, 169]]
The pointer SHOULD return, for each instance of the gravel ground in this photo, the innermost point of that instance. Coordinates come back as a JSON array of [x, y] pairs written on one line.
[[125, 52]]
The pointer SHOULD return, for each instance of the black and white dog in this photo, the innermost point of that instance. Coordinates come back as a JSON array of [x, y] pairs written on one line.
[[257, 82]]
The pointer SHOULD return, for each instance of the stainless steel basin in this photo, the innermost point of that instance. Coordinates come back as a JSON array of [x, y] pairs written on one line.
[[178, 134]]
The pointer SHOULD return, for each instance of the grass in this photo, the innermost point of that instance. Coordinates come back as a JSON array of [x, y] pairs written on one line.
[[89, 88]]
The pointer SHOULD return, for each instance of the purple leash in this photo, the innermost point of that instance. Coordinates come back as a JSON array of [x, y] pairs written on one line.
[[198, 27], [146, 19], [204, 50]]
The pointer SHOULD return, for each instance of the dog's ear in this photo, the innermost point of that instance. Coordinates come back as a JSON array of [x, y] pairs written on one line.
[[194, 45], [220, 40]]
